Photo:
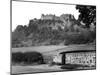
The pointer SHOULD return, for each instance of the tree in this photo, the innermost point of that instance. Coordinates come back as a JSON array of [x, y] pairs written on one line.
[[87, 14]]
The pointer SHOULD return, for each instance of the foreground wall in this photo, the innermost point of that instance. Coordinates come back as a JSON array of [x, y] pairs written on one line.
[[83, 58]]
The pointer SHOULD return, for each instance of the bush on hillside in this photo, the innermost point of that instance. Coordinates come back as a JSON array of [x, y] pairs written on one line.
[[76, 38]]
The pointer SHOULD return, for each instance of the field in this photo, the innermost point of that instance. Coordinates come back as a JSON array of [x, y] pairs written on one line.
[[45, 50], [35, 68], [52, 49]]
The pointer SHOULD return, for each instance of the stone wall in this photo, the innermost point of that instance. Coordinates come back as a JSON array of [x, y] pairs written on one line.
[[83, 58]]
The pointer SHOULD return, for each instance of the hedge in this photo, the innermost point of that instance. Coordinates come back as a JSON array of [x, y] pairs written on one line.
[[27, 58]]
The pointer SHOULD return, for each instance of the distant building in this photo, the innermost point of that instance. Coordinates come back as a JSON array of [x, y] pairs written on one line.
[[63, 17], [49, 17], [67, 17], [68, 21]]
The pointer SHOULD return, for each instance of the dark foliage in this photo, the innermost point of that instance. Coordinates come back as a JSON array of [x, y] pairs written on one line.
[[17, 57], [27, 58], [33, 57], [80, 38], [87, 14]]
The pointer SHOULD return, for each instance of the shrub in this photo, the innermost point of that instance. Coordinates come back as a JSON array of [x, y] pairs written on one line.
[[27, 58], [76, 38], [17, 57], [33, 57]]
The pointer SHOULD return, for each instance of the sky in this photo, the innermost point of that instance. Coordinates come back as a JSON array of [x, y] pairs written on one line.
[[22, 12]]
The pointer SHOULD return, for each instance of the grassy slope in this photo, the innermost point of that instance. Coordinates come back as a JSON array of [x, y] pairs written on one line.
[[53, 49]]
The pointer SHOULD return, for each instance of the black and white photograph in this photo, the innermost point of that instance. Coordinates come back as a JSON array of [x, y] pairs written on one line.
[[52, 37]]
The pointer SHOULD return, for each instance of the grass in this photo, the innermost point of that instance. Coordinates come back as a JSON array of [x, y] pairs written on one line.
[[41, 49], [53, 49]]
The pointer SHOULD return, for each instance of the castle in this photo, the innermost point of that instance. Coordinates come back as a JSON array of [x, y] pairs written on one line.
[[54, 17], [49, 17], [67, 19]]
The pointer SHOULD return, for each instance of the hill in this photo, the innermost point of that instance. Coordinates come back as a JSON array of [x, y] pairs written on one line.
[[52, 30]]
